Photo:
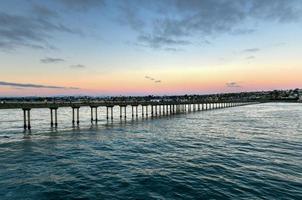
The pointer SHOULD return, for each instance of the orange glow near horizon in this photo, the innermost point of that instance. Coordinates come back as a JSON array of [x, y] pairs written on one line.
[[178, 81]]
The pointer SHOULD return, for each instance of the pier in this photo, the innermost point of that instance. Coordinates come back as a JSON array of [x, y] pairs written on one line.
[[159, 108]]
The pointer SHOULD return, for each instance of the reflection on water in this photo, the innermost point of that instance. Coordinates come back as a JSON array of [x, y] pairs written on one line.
[[251, 152]]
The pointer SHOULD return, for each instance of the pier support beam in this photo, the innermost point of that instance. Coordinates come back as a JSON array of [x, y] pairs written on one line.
[[26, 118], [143, 112], [78, 116], [111, 112], [91, 114], [51, 118], [96, 113], [72, 115], [159, 109], [77, 113], [53, 122], [120, 112]]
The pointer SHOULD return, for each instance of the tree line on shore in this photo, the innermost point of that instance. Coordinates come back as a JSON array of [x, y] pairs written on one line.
[[293, 95]]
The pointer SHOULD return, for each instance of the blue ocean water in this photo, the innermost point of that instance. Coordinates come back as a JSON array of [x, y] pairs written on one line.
[[249, 152]]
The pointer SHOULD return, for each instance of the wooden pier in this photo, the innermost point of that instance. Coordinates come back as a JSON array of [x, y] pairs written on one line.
[[156, 108]]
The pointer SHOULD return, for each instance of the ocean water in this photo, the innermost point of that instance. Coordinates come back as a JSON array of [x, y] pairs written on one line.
[[248, 152]]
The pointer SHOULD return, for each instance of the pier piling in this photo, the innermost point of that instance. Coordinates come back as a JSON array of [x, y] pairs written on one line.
[[157, 108]]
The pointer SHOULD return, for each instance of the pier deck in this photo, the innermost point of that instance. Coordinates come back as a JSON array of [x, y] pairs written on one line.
[[156, 108]]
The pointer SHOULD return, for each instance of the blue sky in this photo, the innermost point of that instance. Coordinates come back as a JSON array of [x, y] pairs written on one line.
[[192, 46]]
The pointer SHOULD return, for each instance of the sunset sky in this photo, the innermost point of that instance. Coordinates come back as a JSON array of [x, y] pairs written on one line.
[[138, 47]]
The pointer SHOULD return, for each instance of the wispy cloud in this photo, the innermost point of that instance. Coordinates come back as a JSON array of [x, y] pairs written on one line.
[[41, 10], [81, 5], [250, 58], [78, 66], [242, 31], [30, 85], [51, 60], [176, 22], [159, 41], [31, 30], [152, 79], [251, 50], [233, 85]]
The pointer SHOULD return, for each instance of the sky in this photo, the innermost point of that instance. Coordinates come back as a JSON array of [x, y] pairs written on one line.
[[140, 47]]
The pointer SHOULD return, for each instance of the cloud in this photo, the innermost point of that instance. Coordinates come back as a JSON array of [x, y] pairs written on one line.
[[78, 66], [250, 57], [148, 77], [152, 79], [51, 60], [32, 30], [159, 41], [178, 22], [171, 49], [43, 11], [242, 31], [251, 50], [81, 5], [29, 85], [233, 85]]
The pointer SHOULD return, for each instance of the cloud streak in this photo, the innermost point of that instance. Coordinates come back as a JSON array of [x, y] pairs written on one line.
[[233, 85], [159, 41], [78, 66], [48, 60], [152, 79], [251, 50], [250, 58], [29, 85]]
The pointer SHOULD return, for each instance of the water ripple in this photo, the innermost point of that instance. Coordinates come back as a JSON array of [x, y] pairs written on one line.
[[252, 152]]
